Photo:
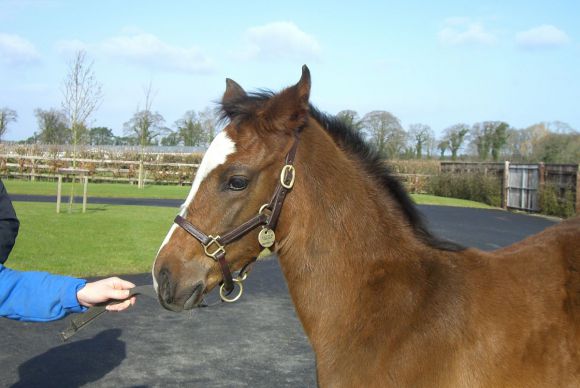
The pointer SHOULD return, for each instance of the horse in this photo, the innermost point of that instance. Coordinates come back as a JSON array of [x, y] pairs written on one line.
[[383, 302]]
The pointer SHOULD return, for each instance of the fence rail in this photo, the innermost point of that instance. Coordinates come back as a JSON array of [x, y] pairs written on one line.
[[103, 170]]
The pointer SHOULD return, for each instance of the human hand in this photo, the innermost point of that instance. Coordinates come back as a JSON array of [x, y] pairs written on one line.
[[105, 290]]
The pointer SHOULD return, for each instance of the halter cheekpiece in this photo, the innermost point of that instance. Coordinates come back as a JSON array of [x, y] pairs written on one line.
[[267, 217]]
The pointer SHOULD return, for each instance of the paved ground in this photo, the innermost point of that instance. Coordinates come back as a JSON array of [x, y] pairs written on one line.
[[257, 342]]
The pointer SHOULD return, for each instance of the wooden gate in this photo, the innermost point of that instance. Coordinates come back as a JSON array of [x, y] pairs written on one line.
[[522, 187]]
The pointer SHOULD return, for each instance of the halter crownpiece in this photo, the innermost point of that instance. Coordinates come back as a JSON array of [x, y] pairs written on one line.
[[215, 246]]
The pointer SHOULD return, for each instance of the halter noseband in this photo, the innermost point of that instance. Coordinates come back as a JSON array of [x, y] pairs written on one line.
[[214, 246]]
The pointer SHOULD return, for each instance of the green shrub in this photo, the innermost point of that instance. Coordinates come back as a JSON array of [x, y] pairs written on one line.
[[428, 167], [551, 204], [474, 186]]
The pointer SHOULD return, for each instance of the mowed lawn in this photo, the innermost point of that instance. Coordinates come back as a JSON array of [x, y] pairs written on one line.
[[106, 240], [425, 199], [111, 190]]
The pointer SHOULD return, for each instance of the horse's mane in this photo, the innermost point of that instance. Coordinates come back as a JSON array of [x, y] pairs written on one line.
[[352, 141]]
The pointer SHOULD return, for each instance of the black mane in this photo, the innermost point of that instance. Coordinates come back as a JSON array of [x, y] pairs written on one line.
[[352, 141]]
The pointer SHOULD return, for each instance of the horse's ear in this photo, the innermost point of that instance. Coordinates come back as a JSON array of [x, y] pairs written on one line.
[[303, 86], [289, 109], [233, 91]]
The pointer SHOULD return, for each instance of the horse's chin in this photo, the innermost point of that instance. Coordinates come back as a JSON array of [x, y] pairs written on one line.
[[172, 307], [193, 301]]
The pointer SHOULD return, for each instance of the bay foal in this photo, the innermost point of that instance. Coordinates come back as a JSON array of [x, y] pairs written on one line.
[[382, 301]]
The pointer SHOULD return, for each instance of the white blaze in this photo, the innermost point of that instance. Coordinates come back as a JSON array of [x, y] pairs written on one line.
[[216, 154]]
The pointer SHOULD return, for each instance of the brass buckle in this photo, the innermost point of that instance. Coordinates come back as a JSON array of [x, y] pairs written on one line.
[[285, 170], [220, 247], [225, 297]]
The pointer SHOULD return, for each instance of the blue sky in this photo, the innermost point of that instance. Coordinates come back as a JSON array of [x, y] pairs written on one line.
[[431, 62]]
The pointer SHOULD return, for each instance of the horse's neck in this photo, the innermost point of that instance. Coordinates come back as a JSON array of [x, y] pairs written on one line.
[[342, 241]]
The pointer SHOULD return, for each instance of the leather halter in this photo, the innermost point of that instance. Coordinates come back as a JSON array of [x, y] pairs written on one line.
[[214, 246]]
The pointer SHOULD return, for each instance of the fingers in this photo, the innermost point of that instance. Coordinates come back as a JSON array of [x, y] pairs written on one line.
[[119, 283], [113, 293], [121, 306]]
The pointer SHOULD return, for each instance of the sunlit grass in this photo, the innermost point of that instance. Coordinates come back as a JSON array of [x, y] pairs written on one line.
[[105, 240], [424, 199], [113, 190]]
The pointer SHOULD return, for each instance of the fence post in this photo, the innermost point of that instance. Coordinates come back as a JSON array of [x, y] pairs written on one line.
[[541, 183], [58, 193], [140, 183], [505, 184], [33, 172], [577, 207], [86, 183]]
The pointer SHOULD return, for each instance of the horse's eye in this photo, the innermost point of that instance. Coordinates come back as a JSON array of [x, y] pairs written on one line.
[[238, 183]]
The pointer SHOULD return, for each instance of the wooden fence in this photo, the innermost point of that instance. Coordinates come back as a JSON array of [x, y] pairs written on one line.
[[104, 170], [522, 183]]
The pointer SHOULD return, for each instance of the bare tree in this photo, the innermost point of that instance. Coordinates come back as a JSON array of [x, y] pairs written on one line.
[[7, 116], [209, 122], [52, 126], [489, 137], [421, 135], [455, 134], [82, 95], [350, 118], [481, 139], [144, 127], [560, 127], [385, 133], [190, 130], [443, 146]]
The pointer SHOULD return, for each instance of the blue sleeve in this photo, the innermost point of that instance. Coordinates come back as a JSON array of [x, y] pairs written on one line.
[[38, 296]]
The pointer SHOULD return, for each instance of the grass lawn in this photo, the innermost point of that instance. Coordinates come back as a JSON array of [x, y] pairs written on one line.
[[424, 199], [104, 241], [113, 190]]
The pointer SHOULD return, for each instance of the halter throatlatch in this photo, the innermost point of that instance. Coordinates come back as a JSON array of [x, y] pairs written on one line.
[[215, 246]]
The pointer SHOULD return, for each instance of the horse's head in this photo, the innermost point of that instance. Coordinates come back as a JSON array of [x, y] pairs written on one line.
[[236, 181]]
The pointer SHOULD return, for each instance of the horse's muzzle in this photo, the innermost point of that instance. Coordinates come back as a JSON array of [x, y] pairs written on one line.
[[176, 298]]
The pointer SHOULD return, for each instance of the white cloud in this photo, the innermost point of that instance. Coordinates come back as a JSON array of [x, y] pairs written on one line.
[[462, 32], [148, 50], [71, 46], [279, 40], [544, 36], [17, 50]]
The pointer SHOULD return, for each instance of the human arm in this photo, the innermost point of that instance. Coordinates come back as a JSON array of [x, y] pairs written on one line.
[[38, 296], [42, 297]]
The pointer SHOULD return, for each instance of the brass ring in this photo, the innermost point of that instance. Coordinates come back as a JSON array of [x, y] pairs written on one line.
[[263, 207], [231, 300]]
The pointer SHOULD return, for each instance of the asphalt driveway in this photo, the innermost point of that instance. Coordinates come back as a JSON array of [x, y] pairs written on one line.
[[257, 342]]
